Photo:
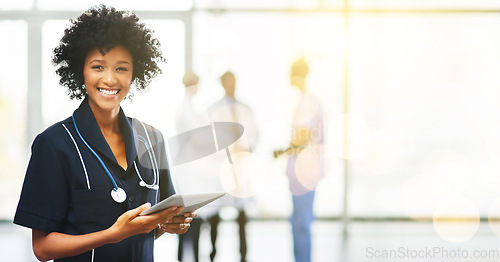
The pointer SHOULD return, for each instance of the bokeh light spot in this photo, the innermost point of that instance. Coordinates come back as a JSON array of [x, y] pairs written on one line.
[[456, 219], [349, 136], [240, 177], [494, 217], [310, 165], [450, 171]]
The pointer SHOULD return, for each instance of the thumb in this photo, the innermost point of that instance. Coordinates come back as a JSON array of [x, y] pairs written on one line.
[[137, 211]]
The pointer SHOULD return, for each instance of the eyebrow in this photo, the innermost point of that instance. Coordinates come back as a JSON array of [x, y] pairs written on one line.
[[101, 61]]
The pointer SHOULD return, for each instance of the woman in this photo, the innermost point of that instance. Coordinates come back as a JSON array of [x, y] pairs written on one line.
[[87, 182]]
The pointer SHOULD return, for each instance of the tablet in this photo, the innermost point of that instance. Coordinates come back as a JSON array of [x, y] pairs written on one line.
[[190, 202]]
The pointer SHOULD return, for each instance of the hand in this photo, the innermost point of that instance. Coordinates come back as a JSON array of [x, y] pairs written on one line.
[[131, 223], [289, 151], [179, 224]]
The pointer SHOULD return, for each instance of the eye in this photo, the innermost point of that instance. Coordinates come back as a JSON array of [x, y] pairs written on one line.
[[97, 67], [122, 69]]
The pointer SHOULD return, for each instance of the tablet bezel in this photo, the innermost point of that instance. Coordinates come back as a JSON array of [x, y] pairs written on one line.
[[177, 200]]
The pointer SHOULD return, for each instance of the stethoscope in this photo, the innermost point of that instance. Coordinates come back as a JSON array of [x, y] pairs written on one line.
[[117, 193]]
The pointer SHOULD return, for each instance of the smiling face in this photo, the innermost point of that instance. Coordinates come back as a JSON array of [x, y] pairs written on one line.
[[108, 78]]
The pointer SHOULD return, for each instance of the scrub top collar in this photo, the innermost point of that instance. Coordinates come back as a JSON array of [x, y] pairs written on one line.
[[91, 132]]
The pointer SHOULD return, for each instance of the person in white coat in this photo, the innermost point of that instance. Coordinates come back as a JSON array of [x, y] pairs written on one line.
[[229, 109]]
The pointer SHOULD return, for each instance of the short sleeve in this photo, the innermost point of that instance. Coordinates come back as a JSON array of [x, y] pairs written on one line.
[[43, 203]]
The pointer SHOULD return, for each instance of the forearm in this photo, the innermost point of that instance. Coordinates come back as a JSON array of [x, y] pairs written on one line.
[[58, 245]]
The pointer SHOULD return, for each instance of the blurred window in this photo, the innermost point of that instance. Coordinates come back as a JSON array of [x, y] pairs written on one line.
[[259, 49], [6, 5], [149, 5], [155, 106], [13, 107], [425, 4], [424, 92], [257, 4], [56, 104], [421, 90]]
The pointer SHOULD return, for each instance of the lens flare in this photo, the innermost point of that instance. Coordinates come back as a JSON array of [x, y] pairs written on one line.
[[488, 174], [456, 219], [494, 217], [492, 141], [199, 176], [349, 136], [310, 165], [239, 114], [382, 154], [450, 171], [416, 204], [240, 177]]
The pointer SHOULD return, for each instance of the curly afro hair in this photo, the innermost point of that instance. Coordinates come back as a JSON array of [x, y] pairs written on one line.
[[104, 28]]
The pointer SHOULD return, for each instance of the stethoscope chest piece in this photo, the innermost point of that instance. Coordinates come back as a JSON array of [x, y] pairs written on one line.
[[118, 195]]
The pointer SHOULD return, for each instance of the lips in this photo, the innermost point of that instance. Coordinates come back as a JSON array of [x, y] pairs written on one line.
[[108, 92]]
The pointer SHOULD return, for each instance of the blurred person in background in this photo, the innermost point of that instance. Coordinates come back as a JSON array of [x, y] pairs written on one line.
[[230, 109], [305, 161], [189, 118], [82, 201]]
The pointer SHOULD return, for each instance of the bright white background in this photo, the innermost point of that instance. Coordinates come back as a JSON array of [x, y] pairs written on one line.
[[422, 95]]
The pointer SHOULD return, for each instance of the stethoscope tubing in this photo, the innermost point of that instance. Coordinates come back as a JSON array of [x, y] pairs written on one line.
[[95, 154], [117, 193]]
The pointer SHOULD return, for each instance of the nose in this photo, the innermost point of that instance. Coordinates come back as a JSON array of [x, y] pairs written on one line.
[[109, 78]]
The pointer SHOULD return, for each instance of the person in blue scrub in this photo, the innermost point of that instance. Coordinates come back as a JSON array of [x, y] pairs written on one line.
[[307, 137], [91, 175], [305, 165]]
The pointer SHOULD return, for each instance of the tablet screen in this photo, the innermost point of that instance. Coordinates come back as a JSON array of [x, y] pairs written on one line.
[[190, 202]]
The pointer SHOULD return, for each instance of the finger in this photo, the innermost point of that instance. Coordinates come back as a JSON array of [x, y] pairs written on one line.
[[180, 219], [185, 228], [168, 214], [173, 226], [180, 228], [168, 211], [191, 214], [136, 211]]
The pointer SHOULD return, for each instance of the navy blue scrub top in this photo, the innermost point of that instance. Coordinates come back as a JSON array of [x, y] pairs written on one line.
[[56, 195]]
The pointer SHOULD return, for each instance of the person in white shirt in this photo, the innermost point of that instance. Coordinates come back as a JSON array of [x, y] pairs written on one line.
[[229, 109], [189, 118]]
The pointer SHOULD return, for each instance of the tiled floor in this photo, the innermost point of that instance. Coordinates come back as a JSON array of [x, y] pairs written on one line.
[[271, 241]]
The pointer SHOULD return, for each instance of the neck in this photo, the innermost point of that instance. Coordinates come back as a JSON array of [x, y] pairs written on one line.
[[301, 87], [107, 120]]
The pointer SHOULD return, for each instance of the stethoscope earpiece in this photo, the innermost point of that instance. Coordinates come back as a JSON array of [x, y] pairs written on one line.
[[143, 184]]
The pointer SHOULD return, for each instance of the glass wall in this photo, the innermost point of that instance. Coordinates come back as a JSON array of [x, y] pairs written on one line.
[[425, 88], [409, 90], [13, 113], [16, 5], [259, 49], [150, 5], [435, 5]]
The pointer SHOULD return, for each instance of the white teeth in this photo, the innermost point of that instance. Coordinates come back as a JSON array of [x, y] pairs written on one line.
[[108, 92]]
